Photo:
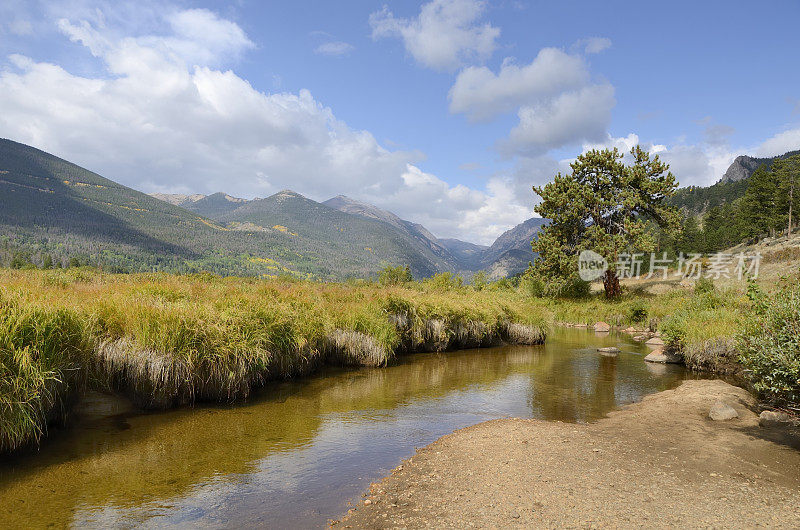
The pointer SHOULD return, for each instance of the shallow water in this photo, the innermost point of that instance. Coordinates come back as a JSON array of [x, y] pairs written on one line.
[[296, 453]]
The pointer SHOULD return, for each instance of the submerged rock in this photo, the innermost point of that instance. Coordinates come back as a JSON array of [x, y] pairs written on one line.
[[610, 351], [661, 356], [722, 412]]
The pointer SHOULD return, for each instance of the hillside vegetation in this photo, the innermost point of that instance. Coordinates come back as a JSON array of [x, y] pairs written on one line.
[[54, 213]]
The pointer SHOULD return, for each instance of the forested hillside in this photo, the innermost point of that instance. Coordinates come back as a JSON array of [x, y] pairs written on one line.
[[729, 213], [55, 213]]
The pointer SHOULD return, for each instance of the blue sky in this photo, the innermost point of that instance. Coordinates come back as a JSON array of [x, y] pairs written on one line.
[[445, 112]]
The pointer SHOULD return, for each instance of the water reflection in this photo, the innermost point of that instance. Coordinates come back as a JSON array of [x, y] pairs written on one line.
[[297, 452]]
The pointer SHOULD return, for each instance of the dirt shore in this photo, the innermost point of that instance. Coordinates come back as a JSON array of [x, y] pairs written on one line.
[[658, 463]]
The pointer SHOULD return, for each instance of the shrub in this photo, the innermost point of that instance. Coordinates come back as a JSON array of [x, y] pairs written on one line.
[[444, 281], [704, 285], [769, 347], [674, 330], [479, 281], [638, 312], [394, 275], [576, 288]]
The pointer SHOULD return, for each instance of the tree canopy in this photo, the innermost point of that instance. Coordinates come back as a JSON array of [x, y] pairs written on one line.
[[606, 206]]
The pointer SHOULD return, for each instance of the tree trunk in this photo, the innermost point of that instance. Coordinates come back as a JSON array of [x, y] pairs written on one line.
[[611, 284]]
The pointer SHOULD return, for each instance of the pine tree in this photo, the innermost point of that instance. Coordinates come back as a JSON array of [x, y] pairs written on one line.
[[604, 206]]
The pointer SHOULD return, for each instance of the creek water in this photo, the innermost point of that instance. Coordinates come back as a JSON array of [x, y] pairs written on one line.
[[297, 452]]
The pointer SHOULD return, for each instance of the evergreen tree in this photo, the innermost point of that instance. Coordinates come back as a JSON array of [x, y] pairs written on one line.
[[604, 206]]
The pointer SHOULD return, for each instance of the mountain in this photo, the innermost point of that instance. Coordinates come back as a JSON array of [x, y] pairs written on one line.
[[513, 247], [214, 205], [467, 254], [177, 199], [698, 199], [744, 166], [52, 208], [413, 230], [359, 243]]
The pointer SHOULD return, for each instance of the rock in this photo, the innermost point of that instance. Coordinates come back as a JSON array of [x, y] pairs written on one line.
[[655, 341], [602, 326], [776, 418], [722, 412], [367, 502], [640, 338], [631, 330], [660, 356], [610, 351]]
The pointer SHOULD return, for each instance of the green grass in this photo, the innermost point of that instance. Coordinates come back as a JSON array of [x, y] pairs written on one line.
[[166, 340], [44, 354]]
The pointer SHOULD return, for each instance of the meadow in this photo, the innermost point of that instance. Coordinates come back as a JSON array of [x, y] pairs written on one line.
[[167, 340]]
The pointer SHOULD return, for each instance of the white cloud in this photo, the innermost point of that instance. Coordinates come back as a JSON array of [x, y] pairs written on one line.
[[444, 36], [161, 117], [570, 118], [779, 144], [481, 94], [335, 48], [592, 45]]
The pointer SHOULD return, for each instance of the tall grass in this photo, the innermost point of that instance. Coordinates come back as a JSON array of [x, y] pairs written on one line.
[[167, 340], [44, 353]]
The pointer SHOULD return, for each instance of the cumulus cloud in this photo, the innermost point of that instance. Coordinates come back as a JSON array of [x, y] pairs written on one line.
[[779, 144], [445, 35], [555, 99], [334, 48], [481, 94], [161, 116], [569, 118]]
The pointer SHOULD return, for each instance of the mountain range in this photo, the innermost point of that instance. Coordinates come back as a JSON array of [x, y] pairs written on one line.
[[53, 209]]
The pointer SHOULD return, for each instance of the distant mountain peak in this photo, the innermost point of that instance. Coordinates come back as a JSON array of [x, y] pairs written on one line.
[[744, 166], [286, 194]]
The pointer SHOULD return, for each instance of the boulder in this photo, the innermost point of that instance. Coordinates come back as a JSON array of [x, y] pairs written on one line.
[[655, 341], [631, 330], [663, 357], [722, 412], [776, 418], [609, 352], [640, 338], [602, 326]]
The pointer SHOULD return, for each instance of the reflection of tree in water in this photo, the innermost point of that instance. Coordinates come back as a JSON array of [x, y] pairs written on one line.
[[584, 385], [577, 387]]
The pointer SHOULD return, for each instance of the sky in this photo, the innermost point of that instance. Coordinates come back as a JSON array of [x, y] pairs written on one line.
[[445, 112]]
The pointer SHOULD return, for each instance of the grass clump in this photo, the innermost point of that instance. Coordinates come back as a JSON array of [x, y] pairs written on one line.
[[769, 347], [43, 360]]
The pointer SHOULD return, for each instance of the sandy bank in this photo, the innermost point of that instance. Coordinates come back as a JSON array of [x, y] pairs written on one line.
[[658, 463]]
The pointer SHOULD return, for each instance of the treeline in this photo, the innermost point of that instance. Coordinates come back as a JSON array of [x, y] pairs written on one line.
[[763, 209]]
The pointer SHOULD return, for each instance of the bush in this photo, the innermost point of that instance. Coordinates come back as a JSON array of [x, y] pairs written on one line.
[[638, 312], [704, 285], [444, 281], [576, 288], [394, 275], [674, 330], [769, 347], [479, 281]]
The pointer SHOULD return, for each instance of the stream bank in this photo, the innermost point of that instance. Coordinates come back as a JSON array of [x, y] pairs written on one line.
[[661, 462]]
